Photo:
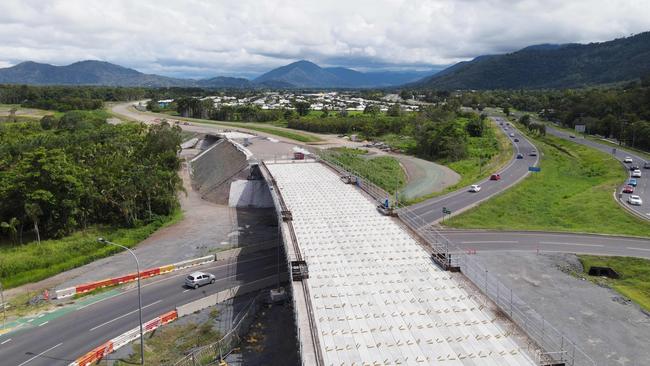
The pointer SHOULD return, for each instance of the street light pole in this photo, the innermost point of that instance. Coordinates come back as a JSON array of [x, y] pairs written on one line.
[[4, 307], [137, 266]]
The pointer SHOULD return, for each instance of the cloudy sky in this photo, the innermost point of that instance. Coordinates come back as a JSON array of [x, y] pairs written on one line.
[[202, 38]]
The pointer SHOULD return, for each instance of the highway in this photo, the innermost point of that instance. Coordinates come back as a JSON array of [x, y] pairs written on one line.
[[525, 241], [431, 210], [64, 339], [643, 184]]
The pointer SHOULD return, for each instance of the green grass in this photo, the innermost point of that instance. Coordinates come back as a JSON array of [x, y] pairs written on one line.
[[404, 143], [384, 171], [572, 193], [634, 282], [27, 263], [494, 143], [268, 128]]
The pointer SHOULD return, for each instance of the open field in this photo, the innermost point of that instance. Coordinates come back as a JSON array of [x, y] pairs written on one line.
[[31, 262], [384, 171], [573, 192], [635, 276]]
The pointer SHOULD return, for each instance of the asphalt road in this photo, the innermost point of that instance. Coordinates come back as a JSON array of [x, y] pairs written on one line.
[[643, 184], [431, 210], [482, 240], [63, 339]]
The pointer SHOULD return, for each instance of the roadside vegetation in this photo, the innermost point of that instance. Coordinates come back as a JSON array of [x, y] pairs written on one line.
[[634, 282], [65, 181], [384, 171], [172, 342], [573, 192]]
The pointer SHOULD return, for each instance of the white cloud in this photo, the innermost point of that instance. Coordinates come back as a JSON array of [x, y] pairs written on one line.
[[211, 37]]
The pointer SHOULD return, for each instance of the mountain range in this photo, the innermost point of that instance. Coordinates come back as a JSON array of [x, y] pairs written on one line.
[[301, 74], [550, 66]]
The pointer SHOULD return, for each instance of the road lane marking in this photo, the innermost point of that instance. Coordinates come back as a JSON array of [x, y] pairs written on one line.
[[40, 354], [5, 341], [122, 316], [180, 272], [186, 290], [576, 244], [43, 323], [635, 248], [491, 242]]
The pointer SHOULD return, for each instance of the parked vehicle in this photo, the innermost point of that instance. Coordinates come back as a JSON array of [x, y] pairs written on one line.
[[632, 182], [636, 174], [627, 159], [495, 177], [635, 200], [197, 279], [474, 188], [628, 189]]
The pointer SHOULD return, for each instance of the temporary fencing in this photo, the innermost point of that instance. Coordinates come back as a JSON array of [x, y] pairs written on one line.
[[120, 341]]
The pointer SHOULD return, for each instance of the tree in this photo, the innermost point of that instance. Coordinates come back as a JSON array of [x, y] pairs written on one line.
[[525, 120], [506, 110], [475, 127], [394, 110], [48, 122], [11, 227], [33, 211], [302, 108], [372, 109]]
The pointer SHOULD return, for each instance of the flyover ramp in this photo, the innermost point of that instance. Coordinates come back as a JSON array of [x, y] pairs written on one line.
[[376, 296]]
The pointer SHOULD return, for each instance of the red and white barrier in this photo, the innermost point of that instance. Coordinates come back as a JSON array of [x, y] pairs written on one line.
[[71, 291], [124, 339]]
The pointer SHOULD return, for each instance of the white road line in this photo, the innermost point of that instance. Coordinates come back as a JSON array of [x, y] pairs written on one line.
[[40, 354], [43, 323], [186, 290], [5, 341], [122, 316], [572, 244], [491, 242], [635, 248]]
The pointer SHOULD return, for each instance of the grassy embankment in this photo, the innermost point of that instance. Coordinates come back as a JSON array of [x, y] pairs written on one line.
[[572, 193], [493, 144], [384, 171], [634, 282], [21, 264]]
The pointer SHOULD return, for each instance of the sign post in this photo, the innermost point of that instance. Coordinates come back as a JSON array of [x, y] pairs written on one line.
[[445, 211], [534, 169]]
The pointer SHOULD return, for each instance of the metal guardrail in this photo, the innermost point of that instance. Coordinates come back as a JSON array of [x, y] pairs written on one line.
[[213, 353]]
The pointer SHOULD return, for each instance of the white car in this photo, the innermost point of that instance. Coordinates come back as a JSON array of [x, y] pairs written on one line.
[[474, 188], [634, 200], [636, 173], [627, 159], [512, 135]]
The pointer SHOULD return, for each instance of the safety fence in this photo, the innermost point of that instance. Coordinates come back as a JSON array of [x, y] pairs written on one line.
[[215, 352], [114, 344], [219, 256], [550, 344]]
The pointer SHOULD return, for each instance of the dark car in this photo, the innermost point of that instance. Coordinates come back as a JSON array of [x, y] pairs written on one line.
[[634, 167], [533, 153], [495, 177], [572, 136], [520, 156], [646, 165], [628, 189], [516, 140]]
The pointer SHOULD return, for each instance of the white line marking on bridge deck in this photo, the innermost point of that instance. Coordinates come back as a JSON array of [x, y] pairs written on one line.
[[491, 242], [122, 316], [635, 248], [6, 341], [575, 244], [40, 354]]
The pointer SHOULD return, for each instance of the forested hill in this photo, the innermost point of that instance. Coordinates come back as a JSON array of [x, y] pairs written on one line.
[[550, 66]]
